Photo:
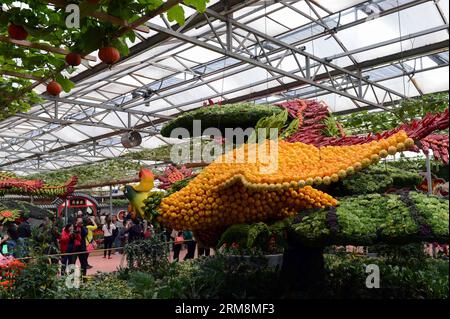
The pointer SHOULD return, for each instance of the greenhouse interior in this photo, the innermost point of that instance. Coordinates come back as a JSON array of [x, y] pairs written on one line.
[[222, 149]]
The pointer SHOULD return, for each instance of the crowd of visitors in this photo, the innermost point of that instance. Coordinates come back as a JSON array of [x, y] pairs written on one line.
[[79, 237]]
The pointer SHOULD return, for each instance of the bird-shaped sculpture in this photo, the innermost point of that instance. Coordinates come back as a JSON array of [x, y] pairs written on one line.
[[136, 200], [147, 181], [137, 194]]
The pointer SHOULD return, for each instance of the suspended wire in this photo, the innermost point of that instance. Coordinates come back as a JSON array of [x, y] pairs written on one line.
[[401, 47]]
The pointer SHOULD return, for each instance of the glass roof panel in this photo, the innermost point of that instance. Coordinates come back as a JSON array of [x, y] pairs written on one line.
[[267, 26], [338, 5], [289, 18], [444, 6], [434, 80], [176, 89]]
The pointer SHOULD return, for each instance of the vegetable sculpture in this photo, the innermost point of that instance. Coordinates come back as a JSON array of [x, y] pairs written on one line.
[[227, 193], [312, 115], [11, 184]]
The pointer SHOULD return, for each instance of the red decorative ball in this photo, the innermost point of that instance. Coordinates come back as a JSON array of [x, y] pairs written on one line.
[[73, 59], [17, 32], [54, 88], [109, 55]]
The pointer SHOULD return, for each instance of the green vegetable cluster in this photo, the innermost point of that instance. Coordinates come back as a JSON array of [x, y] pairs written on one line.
[[245, 115], [374, 218], [378, 179], [435, 212], [151, 204]]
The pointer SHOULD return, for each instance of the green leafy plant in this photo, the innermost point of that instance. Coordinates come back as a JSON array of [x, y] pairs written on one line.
[[150, 255], [38, 280], [405, 111], [244, 115], [374, 218], [100, 286], [255, 239]]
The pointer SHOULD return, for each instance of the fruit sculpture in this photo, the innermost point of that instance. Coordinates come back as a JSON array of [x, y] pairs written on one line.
[[228, 192], [11, 184]]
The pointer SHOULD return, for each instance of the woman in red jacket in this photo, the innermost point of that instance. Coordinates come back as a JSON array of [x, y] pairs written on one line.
[[66, 244]]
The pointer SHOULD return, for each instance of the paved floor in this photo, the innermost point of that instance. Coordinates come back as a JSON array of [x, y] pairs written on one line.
[[101, 264]]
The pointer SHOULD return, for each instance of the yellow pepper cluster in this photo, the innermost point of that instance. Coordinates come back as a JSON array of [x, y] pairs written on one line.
[[229, 192]]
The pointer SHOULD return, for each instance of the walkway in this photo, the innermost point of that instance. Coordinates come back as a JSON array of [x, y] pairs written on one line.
[[101, 264]]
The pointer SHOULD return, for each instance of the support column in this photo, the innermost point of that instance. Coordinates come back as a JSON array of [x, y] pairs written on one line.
[[110, 200], [428, 164], [303, 271]]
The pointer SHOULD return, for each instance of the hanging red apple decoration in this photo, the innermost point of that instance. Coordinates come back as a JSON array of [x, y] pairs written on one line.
[[17, 32], [109, 55], [73, 59], [54, 88]]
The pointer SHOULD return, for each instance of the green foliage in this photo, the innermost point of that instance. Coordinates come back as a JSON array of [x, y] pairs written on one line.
[[101, 286], [331, 127], [38, 280], [105, 171], [254, 239], [290, 129], [369, 219], [47, 25], [209, 278], [435, 212], [311, 228], [25, 208], [244, 115], [377, 179], [148, 255], [120, 202], [401, 255], [406, 111], [179, 185], [438, 169], [275, 121], [346, 278]]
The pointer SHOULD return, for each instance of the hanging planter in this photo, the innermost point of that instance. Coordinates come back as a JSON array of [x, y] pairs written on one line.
[[109, 55], [54, 88], [17, 32]]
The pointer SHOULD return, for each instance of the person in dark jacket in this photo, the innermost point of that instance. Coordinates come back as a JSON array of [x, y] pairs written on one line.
[[80, 247], [191, 244], [135, 231], [24, 230]]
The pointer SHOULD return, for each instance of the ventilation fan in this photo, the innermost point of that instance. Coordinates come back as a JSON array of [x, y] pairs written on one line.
[[131, 139]]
